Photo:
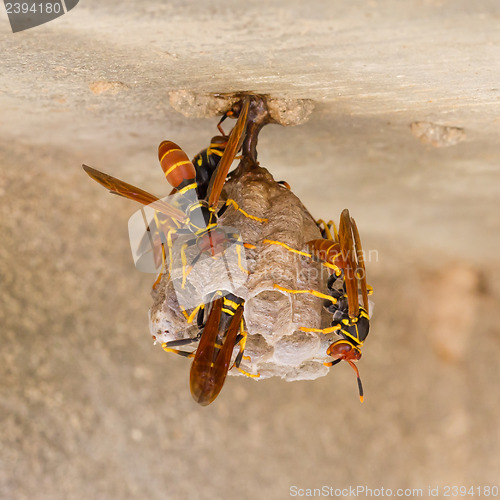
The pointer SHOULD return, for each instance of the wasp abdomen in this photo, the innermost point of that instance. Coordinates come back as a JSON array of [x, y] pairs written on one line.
[[179, 170], [327, 251]]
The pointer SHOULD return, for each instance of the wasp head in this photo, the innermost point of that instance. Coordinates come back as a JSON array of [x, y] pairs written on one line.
[[347, 351]]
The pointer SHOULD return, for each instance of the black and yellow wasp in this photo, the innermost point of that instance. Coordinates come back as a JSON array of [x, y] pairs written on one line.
[[195, 215], [343, 255], [219, 332]]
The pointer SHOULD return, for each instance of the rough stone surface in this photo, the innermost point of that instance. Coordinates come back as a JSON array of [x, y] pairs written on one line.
[[436, 135], [196, 105], [284, 111]]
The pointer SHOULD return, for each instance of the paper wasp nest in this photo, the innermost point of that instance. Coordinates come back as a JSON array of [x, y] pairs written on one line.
[[275, 344]]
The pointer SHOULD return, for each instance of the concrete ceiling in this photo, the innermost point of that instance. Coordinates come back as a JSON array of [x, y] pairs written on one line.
[[96, 82]]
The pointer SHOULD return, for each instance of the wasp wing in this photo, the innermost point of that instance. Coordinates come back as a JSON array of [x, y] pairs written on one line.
[[122, 188], [233, 145], [361, 270], [201, 376], [212, 361], [350, 262]]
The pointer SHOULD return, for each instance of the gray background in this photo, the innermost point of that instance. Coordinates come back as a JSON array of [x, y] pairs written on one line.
[[89, 407]]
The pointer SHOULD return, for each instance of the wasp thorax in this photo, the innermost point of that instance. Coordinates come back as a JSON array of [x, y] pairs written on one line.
[[213, 242], [200, 217], [219, 142]]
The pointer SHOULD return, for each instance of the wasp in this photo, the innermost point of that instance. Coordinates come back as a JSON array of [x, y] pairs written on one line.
[[217, 339], [343, 255], [198, 216], [192, 215]]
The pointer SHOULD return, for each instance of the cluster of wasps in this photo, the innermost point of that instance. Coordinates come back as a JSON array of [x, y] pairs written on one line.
[[219, 319]]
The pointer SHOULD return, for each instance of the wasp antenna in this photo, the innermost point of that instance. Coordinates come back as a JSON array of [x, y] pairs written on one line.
[[224, 116], [360, 385]]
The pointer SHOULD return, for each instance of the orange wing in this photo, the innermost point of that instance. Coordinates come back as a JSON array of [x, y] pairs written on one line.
[[211, 362], [233, 145], [349, 258], [361, 270], [122, 188]]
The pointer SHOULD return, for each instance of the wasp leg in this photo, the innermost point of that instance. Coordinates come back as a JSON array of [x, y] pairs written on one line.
[[327, 228], [219, 125], [157, 281], [289, 248], [186, 269], [332, 363], [163, 269], [237, 207], [170, 246], [285, 185], [237, 241], [200, 317], [248, 374], [240, 265], [300, 252], [242, 341], [196, 311], [333, 228], [168, 346], [320, 295], [326, 331], [184, 354], [166, 242], [184, 264], [235, 238]]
